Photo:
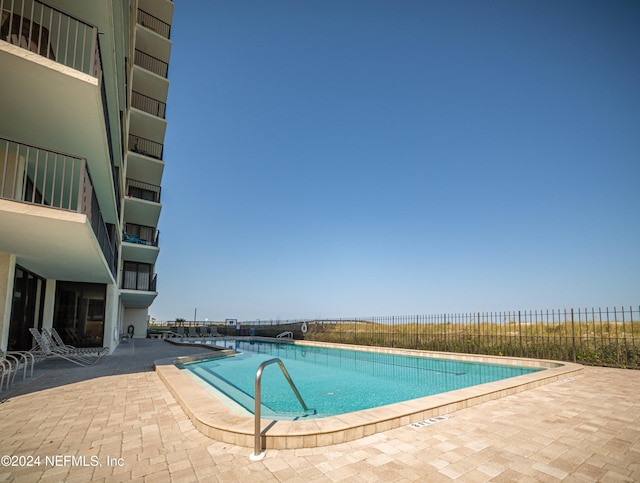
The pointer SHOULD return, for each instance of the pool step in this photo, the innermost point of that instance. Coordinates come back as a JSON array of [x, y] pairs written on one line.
[[244, 399], [226, 387]]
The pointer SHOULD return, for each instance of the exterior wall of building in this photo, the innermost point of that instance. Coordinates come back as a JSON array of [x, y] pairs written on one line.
[[49, 303], [139, 318], [7, 270], [65, 116]]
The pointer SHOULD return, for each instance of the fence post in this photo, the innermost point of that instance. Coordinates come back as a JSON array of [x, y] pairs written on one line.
[[573, 336], [393, 330], [624, 334], [520, 332]]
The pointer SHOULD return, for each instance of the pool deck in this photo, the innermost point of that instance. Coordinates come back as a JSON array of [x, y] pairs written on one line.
[[121, 416]]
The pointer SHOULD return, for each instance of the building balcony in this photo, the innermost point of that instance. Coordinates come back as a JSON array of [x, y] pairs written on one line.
[[159, 9], [147, 132], [143, 281], [138, 287], [51, 33], [140, 243], [143, 168], [144, 160], [141, 235], [150, 84], [148, 104], [146, 147], [54, 90], [154, 23], [48, 205], [151, 63], [142, 203], [143, 191]]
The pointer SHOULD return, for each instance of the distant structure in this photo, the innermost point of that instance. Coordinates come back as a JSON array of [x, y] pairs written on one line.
[[83, 94]]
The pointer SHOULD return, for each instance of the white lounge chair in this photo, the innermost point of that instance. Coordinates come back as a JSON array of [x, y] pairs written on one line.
[[57, 340], [50, 349]]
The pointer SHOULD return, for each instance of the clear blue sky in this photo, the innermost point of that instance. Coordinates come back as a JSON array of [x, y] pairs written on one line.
[[357, 158]]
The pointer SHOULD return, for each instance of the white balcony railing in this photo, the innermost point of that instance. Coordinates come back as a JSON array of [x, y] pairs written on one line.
[[38, 176], [51, 33]]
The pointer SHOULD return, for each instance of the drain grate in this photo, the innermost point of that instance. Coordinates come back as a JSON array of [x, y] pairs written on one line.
[[429, 422]]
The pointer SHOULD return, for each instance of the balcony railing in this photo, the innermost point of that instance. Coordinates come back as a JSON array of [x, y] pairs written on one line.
[[143, 191], [140, 234], [148, 104], [38, 176], [145, 146], [51, 33], [151, 63], [153, 23], [58, 36], [139, 279]]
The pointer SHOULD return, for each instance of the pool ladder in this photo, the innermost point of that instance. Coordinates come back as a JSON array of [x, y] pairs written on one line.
[[258, 454]]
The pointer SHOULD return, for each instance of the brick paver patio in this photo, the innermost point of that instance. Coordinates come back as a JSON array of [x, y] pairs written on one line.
[[118, 422]]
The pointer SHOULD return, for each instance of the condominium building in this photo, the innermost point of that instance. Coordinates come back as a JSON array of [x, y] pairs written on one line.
[[83, 90]]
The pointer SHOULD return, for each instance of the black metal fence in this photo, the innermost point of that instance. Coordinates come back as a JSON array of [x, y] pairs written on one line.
[[603, 337]]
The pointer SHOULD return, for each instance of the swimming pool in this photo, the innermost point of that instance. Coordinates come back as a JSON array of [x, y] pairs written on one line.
[[213, 417], [335, 381]]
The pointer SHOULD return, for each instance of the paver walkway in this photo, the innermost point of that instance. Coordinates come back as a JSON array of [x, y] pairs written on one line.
[[118, 422]]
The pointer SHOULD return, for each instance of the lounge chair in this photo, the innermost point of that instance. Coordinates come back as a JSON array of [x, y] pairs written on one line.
[[204, 331], [57, 340], [192, 332], [130, 238], [72, 334], [50, 349], [180, 331]]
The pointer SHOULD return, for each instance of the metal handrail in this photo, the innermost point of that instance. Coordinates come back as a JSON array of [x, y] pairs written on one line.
[[287, 334], [258, 454]]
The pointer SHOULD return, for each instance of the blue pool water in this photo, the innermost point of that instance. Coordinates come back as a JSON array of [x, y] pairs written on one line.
[[336, 381]]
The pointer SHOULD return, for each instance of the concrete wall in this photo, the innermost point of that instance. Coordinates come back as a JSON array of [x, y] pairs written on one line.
[[139, 319], [112, 333], [7, 274]]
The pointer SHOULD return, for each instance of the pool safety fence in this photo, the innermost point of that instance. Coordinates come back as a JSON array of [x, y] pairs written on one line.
[[602, 337]]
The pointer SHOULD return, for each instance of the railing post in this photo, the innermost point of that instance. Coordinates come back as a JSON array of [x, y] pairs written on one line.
[[258, 454]]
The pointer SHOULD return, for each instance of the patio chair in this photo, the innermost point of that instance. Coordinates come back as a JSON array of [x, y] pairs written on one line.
[[9, 368], [130, 238], [62, 349], [180, 331], [24, 359], [72, 334], [5, 371], [204, 331], [192, 332], [55, 351], [57, 340]]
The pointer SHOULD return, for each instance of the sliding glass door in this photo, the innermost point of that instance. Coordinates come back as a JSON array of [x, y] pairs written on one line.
[[26, 309]]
